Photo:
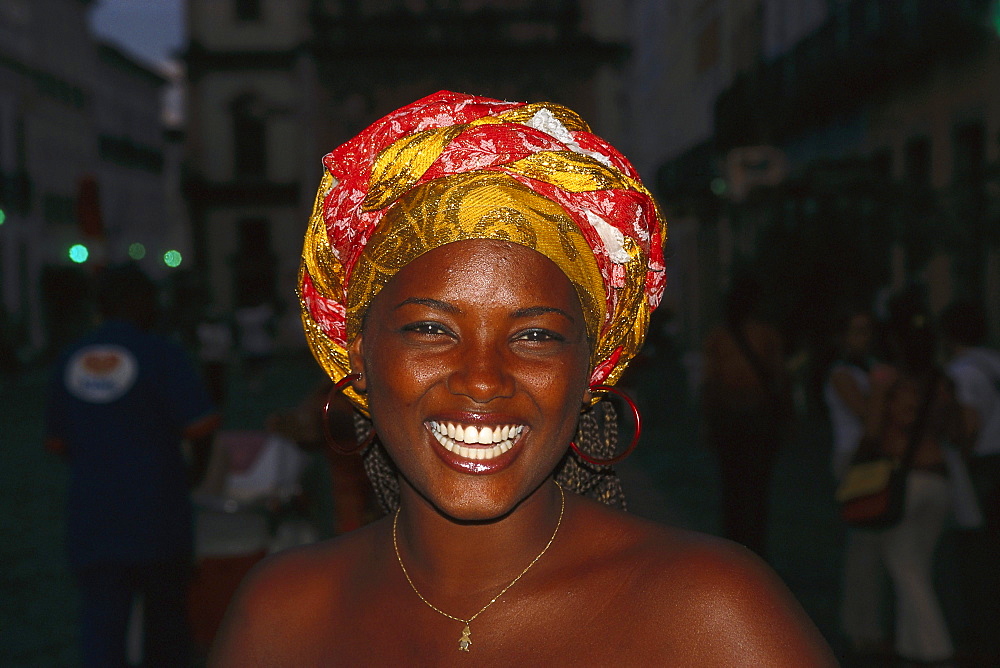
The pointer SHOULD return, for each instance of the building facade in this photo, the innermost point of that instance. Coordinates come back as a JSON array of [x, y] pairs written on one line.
[[844, 149], [685, 55], [81, 166], [276, 84], [887, 117]]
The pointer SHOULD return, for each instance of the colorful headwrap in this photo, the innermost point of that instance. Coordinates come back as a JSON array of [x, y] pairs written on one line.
[[452, 167]]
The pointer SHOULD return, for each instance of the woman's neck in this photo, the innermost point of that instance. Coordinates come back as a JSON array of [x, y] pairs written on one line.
[[450, 560]]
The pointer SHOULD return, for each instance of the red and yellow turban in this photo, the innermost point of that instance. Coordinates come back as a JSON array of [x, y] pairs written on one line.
[[452, 167]]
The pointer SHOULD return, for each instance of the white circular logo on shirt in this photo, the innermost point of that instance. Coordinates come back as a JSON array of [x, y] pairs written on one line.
[[99, 374]]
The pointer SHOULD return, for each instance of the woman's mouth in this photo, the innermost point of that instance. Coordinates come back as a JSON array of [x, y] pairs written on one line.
[[475, 442]]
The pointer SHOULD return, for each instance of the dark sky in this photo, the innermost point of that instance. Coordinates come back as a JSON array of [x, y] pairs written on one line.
[[152, 30]]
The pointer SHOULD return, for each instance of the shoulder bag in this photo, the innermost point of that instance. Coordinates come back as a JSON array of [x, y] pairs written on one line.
[[873, 491]]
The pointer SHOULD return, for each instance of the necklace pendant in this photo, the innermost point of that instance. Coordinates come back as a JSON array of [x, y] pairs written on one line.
[[466, 640]]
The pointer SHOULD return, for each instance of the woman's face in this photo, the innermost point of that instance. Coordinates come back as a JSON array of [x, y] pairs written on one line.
[[475, 362]]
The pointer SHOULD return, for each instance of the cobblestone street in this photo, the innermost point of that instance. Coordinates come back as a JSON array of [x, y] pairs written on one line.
[[671, 478]]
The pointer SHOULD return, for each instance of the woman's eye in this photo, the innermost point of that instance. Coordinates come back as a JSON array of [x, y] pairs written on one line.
[[539, 335], [426, 328]]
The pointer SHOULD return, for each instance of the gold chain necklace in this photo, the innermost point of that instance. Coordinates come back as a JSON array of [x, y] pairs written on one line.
[[466, 640]]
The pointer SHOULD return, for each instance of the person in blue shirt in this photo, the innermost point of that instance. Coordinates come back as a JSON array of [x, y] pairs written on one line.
[[121, 401]]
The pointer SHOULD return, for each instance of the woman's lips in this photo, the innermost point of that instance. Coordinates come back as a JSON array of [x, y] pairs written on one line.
[[475, 443], [464, 450]]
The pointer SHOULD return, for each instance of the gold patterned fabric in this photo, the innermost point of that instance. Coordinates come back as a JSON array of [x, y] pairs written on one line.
[[454, 167], [477, 205]]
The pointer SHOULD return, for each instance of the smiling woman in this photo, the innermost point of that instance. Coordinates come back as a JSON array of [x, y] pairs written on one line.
[[473, 273], [473, 338]]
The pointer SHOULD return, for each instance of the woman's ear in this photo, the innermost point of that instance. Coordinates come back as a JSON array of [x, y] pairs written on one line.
[[588, 397], [355, 355]]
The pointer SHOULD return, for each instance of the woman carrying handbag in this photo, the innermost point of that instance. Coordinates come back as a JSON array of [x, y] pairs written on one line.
[[912, 414]]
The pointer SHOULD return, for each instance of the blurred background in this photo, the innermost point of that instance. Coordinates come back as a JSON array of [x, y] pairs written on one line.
[[843, 146], [837, 150]]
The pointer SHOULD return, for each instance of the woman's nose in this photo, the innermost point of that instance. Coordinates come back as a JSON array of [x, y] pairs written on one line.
[[482, 374]]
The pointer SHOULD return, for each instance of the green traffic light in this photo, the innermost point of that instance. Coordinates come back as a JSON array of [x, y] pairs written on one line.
[[172, 258], [78, 253], [137, 251]]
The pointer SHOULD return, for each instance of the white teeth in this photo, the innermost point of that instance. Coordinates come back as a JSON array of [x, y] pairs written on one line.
[[457, 439], [472, 435]]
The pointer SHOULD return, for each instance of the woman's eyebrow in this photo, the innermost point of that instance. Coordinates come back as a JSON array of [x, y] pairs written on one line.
[[430, 303], [533, 311]]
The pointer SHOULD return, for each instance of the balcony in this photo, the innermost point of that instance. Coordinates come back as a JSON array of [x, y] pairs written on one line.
[[865, 48]]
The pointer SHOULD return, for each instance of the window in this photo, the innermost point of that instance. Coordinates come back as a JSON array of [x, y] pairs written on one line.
[[842, 27], [917, 163], [969, 145], [249, 138], [254, 271], [881, 163], [747, 39], [708, 46], [254, 237], [248, 10], [873, 18], [969, 171]]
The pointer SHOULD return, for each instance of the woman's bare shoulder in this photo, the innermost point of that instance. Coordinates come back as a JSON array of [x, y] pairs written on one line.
[[665, 556], [710, 598], [288, 594]]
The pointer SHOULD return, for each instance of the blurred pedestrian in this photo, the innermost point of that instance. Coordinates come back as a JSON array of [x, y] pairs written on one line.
[[975, 370], [848, 388], [747, 406], [847, 394], [670, 402], [215, 351], [120, 403], [912, 402], [255, 332], [352, 495]]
